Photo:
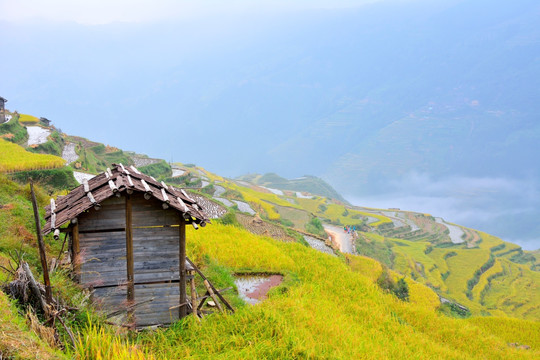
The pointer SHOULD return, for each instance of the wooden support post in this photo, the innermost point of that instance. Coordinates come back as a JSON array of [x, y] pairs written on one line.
[[182, 267], [42, 254], [212, 294], [75, 250], [129, 257], [194, 296], [212, 286]]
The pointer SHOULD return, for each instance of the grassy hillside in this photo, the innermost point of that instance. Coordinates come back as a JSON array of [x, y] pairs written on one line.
[[324, 309], [327, 307], [473, 273], [13, 131]]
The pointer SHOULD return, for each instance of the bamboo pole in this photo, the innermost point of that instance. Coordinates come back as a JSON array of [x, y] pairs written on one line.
[[42, 254]]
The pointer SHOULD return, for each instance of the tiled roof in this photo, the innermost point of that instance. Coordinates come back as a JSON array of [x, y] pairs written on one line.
[[112, 182]]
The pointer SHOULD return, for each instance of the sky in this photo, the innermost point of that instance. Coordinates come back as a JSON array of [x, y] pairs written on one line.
[[337, 89], [98, 12]]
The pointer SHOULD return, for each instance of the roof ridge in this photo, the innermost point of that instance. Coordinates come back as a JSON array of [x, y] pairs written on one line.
[[113, 182]]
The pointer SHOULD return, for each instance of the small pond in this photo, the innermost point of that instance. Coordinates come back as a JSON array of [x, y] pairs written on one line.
[[254, 288]]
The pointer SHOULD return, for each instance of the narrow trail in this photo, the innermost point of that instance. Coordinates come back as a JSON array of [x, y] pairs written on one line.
[[344, 240]]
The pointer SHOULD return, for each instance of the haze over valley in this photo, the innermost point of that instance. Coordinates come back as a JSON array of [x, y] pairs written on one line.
[[421, 105]]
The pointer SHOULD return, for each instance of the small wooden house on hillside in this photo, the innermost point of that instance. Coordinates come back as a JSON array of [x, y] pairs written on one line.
[[2, 110], [128, 242], [45, 121]]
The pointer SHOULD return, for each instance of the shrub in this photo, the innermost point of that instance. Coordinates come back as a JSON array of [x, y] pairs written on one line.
[[158, 170], [229, 219], [400, 288], [208, 189], [314, 226], [286, 222], [54, 179]]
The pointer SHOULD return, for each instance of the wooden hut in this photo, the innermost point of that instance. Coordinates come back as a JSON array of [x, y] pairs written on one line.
[[2, 110], [128, 242], [45, 121]]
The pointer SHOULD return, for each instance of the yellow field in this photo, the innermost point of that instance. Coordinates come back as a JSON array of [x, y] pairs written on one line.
[[325, 309], [517, 292], [484, 280], [28, 119], [15, 158]]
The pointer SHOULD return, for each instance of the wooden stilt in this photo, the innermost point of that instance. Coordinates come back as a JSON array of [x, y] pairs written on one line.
[[194, 296]]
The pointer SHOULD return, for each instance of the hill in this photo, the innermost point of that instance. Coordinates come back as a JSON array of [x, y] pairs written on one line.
[[309, 184], [327, 307], [470, 294]]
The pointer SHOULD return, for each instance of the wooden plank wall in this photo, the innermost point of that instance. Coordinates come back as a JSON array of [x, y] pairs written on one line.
[[103, 258], [155, 253], [156, 312], [103, 253], [112, 215]]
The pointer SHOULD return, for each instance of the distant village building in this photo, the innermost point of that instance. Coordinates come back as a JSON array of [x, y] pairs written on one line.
[[45, 121], [127, 236], [2, 110]]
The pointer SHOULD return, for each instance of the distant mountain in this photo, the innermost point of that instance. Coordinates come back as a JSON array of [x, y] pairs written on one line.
[[307, 183], [362, 97]]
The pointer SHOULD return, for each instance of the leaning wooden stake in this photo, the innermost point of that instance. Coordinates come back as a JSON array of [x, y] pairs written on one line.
[[212, 295], [34, 287], [43, 256], [213, 288]]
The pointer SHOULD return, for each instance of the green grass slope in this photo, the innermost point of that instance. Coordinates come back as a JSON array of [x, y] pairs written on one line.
[[327, 307]]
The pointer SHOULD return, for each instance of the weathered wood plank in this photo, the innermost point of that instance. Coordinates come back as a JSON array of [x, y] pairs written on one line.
[[129, 252], [76, 251], [151, 213], [111, 215], [182, 266], [156, 312]]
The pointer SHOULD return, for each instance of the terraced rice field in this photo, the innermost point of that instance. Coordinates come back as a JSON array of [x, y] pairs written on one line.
[[37, 135], [455, 232], [20, 160], [80, 176], [319, 245], [69, 154], [224, 201], [244, 207], [259, 227]]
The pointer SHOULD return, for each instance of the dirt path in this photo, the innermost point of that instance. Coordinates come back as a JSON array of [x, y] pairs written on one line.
[[343, 239]]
